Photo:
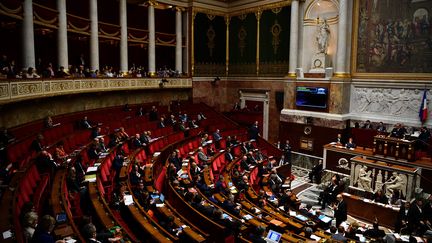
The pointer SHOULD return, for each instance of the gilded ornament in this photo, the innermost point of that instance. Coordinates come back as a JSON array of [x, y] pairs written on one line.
[[242, 37], [211, 16], [211, 34], [276, 29]]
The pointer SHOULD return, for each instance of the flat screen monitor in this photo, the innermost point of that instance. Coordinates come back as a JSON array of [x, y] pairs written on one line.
[[313, 97], [273, 236]]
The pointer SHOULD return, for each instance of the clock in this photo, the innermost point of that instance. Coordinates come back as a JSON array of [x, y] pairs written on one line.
[[317, 63], [307, 130]]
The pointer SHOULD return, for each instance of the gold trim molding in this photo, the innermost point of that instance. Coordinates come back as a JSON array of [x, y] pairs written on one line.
[[342, 75], [243, 11], [14, 90]]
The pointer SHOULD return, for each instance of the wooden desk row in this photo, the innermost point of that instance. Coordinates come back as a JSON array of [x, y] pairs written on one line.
[[60, 204]]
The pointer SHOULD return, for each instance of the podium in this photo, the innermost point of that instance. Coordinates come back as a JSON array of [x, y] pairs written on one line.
[[396, 148]]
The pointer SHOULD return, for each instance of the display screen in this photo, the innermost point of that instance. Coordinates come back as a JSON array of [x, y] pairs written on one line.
[[315, 97], [274, 236]]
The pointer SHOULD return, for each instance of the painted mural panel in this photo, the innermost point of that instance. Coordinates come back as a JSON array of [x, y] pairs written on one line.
[[393, 36]]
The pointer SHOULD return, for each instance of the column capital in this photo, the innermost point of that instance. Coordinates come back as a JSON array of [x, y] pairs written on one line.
[[151, 3], [258, 14], [179, 9], [194, 13], [227, 19]]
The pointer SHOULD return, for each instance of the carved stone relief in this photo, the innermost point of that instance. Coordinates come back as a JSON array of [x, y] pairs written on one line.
[[388, 101]]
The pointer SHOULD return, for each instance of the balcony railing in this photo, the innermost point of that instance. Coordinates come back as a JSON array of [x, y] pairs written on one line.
[[16, 90]]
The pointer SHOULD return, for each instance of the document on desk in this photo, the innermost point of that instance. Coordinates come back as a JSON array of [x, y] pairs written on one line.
[[7, 234], [128, 200], [276, 222], [91, 169]]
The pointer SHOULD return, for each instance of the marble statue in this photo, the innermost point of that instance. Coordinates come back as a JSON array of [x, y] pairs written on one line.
[[397, 182], [364, 179], [323, 37], [378, 181]]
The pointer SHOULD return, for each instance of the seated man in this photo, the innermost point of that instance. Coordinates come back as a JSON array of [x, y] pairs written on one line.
[[85, 123], [228, 155], [367, 125], [202, 157], [381, 127], [398, 131], [339, 140]]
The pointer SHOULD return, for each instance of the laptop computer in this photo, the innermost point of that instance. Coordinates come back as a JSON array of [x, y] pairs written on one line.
[[273, 237], [301, 217], [324, 218], [61, 218]]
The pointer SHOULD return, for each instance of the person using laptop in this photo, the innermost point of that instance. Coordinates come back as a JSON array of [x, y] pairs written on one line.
[[257, 235]]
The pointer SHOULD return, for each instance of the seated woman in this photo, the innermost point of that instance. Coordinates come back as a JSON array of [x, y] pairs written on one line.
[[380, 197]]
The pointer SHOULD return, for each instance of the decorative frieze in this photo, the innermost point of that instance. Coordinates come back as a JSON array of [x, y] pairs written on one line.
[[11, 91]]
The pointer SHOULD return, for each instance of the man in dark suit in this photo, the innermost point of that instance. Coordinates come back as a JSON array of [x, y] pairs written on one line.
[[401, 225], [415, 217], [367, 125], [228, 156], [330, 192], [37, 144], [339, 139], [153, 114], [244, 164], [287, 150], [316, 172], [243, 148], [254, 131], [340, 210], [398, 131], [161, 123], [217, 137]]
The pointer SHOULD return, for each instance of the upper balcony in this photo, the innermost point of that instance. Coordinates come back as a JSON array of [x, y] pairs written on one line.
[[24, 89]]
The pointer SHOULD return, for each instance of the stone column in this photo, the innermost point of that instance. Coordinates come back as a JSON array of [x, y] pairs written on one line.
[[192, 46], [341, 52], [178, 50], [62, 41], [185, 54], [293, 52], [123, 37], [94, 36], [29, 59], [151, 40], [266, 113]]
